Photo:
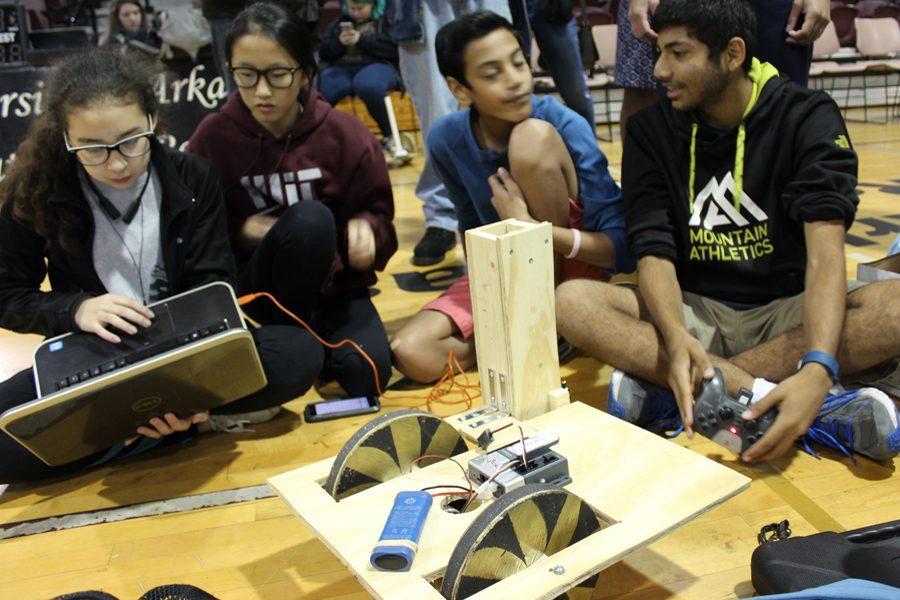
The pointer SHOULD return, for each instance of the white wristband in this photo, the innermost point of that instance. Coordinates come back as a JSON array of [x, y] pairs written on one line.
[[576, 244]]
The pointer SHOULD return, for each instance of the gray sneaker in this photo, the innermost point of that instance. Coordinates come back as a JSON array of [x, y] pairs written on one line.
[[863, 421], [236, 422], [643, 404], [885, 377]]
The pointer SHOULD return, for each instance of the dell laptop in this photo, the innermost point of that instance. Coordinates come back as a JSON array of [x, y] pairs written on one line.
[[196, 355]]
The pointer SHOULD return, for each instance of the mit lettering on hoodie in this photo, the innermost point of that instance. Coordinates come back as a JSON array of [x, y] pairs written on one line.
[[328, 156]]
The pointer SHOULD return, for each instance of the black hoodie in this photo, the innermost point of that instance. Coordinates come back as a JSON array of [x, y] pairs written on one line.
[[791, 156], [193, 239]]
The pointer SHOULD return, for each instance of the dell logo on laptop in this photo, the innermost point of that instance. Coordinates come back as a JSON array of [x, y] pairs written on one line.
[[145, 404]]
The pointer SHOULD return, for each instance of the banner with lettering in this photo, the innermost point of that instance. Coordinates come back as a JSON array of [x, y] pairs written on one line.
[[188, 93]]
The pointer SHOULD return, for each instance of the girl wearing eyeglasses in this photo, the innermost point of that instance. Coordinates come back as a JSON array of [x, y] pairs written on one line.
[[117, 221], [310, 205]]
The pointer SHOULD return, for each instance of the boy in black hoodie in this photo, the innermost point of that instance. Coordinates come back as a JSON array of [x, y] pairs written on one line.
[[738, 192]]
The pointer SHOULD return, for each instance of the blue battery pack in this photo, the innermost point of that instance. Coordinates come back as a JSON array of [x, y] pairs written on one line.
[[399, 540]]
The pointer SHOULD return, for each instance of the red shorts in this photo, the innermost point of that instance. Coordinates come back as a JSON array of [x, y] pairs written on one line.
[[456, 301]]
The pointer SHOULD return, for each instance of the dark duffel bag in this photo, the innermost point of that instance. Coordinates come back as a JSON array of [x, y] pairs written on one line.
[[795, 564]]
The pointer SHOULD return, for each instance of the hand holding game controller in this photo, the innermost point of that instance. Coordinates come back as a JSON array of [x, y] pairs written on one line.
[[798, 398], [717, 416]]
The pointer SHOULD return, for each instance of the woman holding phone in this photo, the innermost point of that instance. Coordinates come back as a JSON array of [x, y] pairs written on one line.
[[360, 60]]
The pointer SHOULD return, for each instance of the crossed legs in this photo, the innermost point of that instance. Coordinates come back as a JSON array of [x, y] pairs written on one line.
[[612, 324], [543, 169]]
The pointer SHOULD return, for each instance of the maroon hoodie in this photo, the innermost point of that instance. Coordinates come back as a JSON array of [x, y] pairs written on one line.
[[329, 156]]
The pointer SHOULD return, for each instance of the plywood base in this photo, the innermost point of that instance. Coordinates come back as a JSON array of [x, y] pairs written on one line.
[[643, 484]]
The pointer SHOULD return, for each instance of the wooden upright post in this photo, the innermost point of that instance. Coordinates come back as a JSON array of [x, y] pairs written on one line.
[[511, 279]]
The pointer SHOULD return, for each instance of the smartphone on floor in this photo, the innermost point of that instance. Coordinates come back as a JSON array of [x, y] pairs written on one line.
[[336, 409]]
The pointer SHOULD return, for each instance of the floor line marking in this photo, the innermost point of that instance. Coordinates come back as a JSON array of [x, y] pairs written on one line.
[[134, 511]]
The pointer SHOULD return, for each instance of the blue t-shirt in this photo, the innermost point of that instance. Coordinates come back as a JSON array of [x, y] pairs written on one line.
[[464, 167]]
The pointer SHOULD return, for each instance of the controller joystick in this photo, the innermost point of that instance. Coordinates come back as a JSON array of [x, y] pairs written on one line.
[[718, 416]]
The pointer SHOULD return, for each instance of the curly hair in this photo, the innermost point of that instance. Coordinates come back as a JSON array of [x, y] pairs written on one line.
[[89, 78]]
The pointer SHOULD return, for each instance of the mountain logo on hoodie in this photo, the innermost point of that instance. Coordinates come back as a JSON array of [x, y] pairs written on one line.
[[722, 230]]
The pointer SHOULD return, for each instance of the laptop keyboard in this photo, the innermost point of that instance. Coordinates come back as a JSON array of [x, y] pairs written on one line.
[[141, 354]]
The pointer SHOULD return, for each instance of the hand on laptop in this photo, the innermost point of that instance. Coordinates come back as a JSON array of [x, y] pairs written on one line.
[[95, 315], [169, 424]]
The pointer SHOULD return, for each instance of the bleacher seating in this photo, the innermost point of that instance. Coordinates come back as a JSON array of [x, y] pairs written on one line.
[[596, 16], [877, 51], [843, 18], [867, 8], [329, 11], [887, 11]]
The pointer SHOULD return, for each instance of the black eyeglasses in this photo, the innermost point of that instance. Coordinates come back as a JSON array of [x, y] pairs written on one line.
[[276, 77], [97, 154]]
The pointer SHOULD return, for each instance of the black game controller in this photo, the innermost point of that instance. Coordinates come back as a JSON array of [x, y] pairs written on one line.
[[718, 416]]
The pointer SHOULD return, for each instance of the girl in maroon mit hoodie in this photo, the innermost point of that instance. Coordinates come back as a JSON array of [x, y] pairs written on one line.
[[309, 201]]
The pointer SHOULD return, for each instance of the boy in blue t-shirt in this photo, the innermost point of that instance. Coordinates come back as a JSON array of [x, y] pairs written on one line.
[[510, 155]]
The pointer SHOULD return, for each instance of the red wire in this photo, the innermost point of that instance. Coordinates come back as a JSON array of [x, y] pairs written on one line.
[[499, 429], [442, 388], [441, 456]]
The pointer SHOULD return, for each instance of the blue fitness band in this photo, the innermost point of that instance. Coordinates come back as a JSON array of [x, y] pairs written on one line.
[[826, 360]]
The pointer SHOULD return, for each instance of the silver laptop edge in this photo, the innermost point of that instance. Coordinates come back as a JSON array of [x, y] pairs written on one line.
[[37, 383], [115, 377]]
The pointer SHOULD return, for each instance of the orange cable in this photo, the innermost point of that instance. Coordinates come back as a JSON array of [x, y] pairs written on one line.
[[444, 387]]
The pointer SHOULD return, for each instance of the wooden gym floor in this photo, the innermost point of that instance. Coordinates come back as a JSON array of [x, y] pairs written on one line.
[[259, 549]]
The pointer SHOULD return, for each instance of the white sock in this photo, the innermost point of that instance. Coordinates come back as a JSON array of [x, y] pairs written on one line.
[[761, 388]]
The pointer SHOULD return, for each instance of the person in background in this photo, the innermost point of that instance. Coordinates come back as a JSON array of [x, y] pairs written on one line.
[[129, 25], [786, 30], [556, 33], [635, 57], [309, 200], [413, 25], [360, 59]]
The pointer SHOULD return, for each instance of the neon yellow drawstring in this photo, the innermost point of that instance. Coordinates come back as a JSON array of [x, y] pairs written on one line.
[[739, 167], [692, 174], [759, 74]]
